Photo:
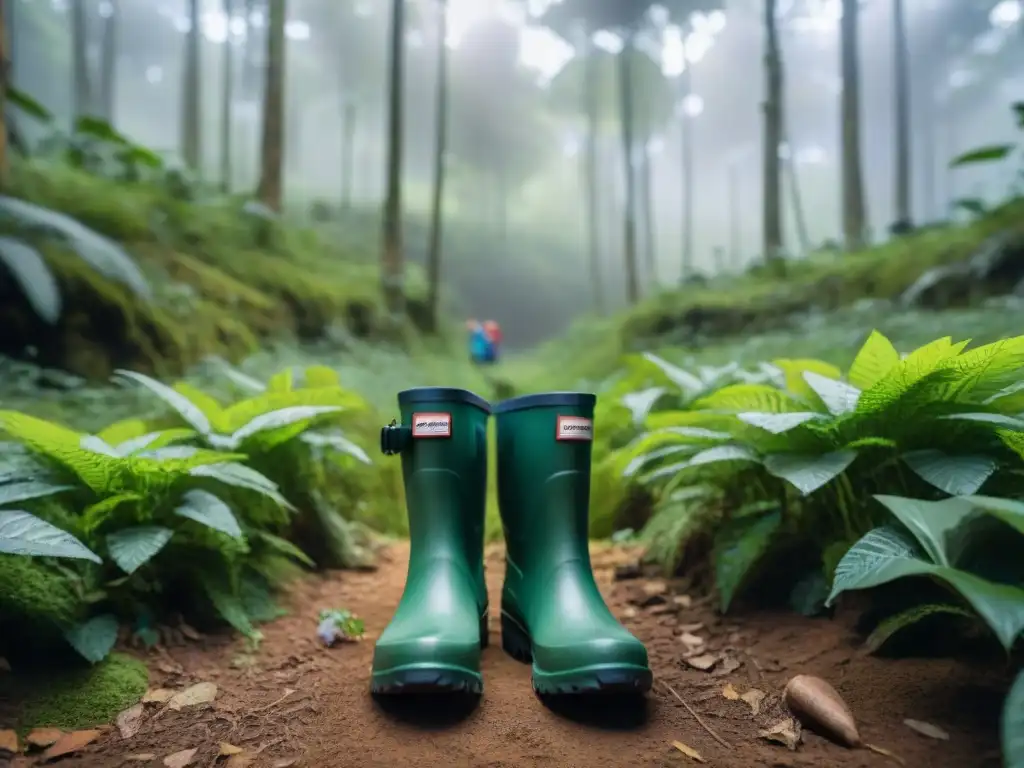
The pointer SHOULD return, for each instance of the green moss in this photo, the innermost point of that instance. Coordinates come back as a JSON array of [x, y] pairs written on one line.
[[30, 589], [78, 698]]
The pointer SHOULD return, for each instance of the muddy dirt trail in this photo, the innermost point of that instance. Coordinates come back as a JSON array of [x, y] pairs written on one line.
[[296, 703]]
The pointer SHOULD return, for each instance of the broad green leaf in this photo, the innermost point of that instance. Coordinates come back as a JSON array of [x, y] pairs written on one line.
[[740, 543], [241, 476], [244, 381], [25, 490], [321, 376], [95, 638], [643, 460], [282, 381], [1009, 511], [335, 440], [284, 547], [874, 360], [241, 413], [205, 402], [871, 442], [920, 365], [33, 277], [131, 548], [996, 419], [686, 381], [1012, 725], [760, 398], [795, 372], [900, 621], [956, 475], [95, 514], [719, 453], [809, 472], [18, 98], [18, 467], [266, 422], [184, 407], [205, 508], [984, 371], [228, 604], [930, 522], [1012, 440], [96, 445], [990, 154], [1008, 391], [119, 431], [22, 533], [152, 441], [778, 423], [640, 403], [885, 554], [838, 397]]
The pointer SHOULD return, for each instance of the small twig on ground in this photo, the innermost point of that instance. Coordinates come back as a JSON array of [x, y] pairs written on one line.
[[287, 692], [698, 718]]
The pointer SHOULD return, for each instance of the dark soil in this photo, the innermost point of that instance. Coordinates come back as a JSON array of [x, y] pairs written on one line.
[[296, 703]]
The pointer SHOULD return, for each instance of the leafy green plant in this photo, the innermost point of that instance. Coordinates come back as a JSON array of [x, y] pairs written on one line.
[[785, 470], [992, 153], [155, 510], [291, 434]]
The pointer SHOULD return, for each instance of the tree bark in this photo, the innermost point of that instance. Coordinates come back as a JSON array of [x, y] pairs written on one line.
[[440, 147], [901, 92], [5, 73], [81, 82], [392, 258], [348, 149], [854, 212], [590, 107], [772, 241], [626, 121], [191, 92], [227, 104], [270, 188], [108, 63]]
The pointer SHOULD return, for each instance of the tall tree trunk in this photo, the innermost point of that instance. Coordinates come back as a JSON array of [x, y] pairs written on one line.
[[251, 86], [626, 120], [392, 258], [901, 92], [854, 211], [269, 191], [108, 63], [191, 93], [81, 82], [733, 194], [348, 150], [5, 73], [590, 107], [440, 147], [772, 215], [227, 103], [686, 151], [647, 208]]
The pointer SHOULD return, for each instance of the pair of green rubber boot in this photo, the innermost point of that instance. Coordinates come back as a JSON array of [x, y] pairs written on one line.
[[551, 609]]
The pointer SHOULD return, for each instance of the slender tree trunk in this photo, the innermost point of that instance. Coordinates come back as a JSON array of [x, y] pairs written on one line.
[[901, 56], [191, 93], [270, 189], [735, 246], [440, 147], [854, 211], [686, 150], [626, 118], [251, 85], [227, 104], [392, 258], [772, 242], [108, 63], [590, 107], [5, 73], [81, 82], [927, 144], [348, 148], [647, 206]]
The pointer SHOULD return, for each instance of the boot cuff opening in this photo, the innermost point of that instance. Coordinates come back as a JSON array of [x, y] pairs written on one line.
[[546, 400], [427, 395]]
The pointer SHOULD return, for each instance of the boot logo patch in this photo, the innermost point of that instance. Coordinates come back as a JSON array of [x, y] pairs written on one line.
[[574, 428], [431, 425]]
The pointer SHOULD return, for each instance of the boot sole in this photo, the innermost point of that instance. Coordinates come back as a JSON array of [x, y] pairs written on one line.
[[595, 678], [431, 678]]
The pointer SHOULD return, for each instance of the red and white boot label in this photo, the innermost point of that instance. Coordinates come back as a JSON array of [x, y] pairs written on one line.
[[574, 428], [431, 425]]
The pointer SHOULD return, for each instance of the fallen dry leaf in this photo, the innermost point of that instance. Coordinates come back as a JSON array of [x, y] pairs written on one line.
[[927, 729], [129, 721], [683, 601], [690, 752], [695, 627], [241, 760], [629, 612], [157, 696], [728, 666], [71, 742], [227, 750], [141, 757], [41, 738], [704, 662], [730, 693], [193, 696], [8, 741], [189, 632], [690, 640], [170, 667], [180, 759], [785, 732], [817, 703], [654, 587], [754, 698], [285, 762]]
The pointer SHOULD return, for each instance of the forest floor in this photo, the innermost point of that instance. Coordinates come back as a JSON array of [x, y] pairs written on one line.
[[294, 702]]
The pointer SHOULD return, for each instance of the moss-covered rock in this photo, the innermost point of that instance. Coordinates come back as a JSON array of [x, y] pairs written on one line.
[[72, 699]]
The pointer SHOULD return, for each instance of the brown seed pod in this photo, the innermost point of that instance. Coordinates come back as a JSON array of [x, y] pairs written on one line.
[[818, 705]]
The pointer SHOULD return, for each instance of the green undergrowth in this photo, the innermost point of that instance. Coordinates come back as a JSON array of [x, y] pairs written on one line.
[[77, 698]]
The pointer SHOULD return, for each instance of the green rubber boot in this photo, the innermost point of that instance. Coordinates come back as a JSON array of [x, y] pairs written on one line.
[[433, 642], [551, 609]]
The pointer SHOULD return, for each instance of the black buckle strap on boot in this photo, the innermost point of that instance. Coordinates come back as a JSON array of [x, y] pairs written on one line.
[[394, 438]]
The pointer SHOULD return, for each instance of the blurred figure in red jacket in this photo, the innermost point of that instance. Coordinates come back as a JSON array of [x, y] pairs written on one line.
[[494, 338]]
